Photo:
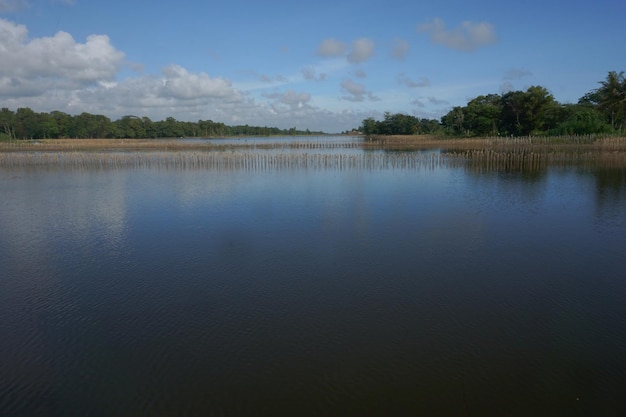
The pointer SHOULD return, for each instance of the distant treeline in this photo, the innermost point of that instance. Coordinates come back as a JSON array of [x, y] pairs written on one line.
[[520, 113], [27, 124]]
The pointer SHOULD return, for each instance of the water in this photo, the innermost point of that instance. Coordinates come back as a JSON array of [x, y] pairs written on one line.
[[327, 291]]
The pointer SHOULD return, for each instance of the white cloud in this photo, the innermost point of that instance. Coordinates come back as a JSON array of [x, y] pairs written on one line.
[[468, 36], [405, 80], [60, 73], [362, 50], [399, 49], [292, 99], [181, 84], [53, 62], [331, 48], [356, 91]]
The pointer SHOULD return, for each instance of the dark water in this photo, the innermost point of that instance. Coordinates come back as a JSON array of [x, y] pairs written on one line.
[[302, 292]]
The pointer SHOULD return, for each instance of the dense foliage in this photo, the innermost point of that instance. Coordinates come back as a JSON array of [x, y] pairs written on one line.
[[520, 113], [399, 124], [27, 124]]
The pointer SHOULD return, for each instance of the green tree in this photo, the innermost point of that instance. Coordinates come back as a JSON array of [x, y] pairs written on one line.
[[28, 124], [369, 127], [170, 128], [130, 127], [429, 126], [63, 123], [50, 129], [454, 121], [7, 123], [149, 127], [610, 99], [482, 115], [528, 112], [580, 119]]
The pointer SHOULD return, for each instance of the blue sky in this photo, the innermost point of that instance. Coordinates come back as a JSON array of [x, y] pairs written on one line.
[[323, 65]]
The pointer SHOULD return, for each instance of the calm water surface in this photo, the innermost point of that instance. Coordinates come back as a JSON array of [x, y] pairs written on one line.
[[312, 292]]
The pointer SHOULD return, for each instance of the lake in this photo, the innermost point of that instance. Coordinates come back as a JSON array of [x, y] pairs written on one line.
[[360, 287]]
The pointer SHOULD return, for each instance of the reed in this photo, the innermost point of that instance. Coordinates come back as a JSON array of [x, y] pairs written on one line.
[[497, 142], [251, 161], [415, 142], [517, 154]]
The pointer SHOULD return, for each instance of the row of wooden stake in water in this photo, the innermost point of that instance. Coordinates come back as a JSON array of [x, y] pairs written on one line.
[[260, 160]]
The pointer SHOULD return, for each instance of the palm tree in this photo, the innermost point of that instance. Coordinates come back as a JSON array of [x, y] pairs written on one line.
[[611, 98]]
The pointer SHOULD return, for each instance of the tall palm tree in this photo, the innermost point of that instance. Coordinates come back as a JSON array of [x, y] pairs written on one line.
[[611, 98]]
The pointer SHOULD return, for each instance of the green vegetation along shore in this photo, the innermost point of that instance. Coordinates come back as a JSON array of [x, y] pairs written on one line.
[[28, 124], [520, 113]]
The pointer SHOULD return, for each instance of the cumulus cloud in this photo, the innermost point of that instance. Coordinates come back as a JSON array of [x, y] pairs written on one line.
[[177, 90], [399, 49], [362, 50], [360, 74], [356, 91], [59, 72], [331, 48], [468, 36], [405, 80], [48, 62], [292, 99], [181, 84]]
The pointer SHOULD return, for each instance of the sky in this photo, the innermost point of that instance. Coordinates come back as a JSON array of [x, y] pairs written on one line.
[[318, 65]]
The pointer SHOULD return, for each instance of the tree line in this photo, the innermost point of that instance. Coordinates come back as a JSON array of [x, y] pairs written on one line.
[[28, 124], [520, 113]]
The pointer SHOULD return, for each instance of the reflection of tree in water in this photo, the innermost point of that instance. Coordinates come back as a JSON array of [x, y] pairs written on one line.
[[517, 165], [610, 187], [524, 175], [512, 174]]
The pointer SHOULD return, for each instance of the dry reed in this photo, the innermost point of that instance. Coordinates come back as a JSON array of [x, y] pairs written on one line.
[[250, 161], [399, 152]]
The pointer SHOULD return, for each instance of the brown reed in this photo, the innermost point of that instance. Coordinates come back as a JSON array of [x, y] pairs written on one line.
[[517, 154]]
